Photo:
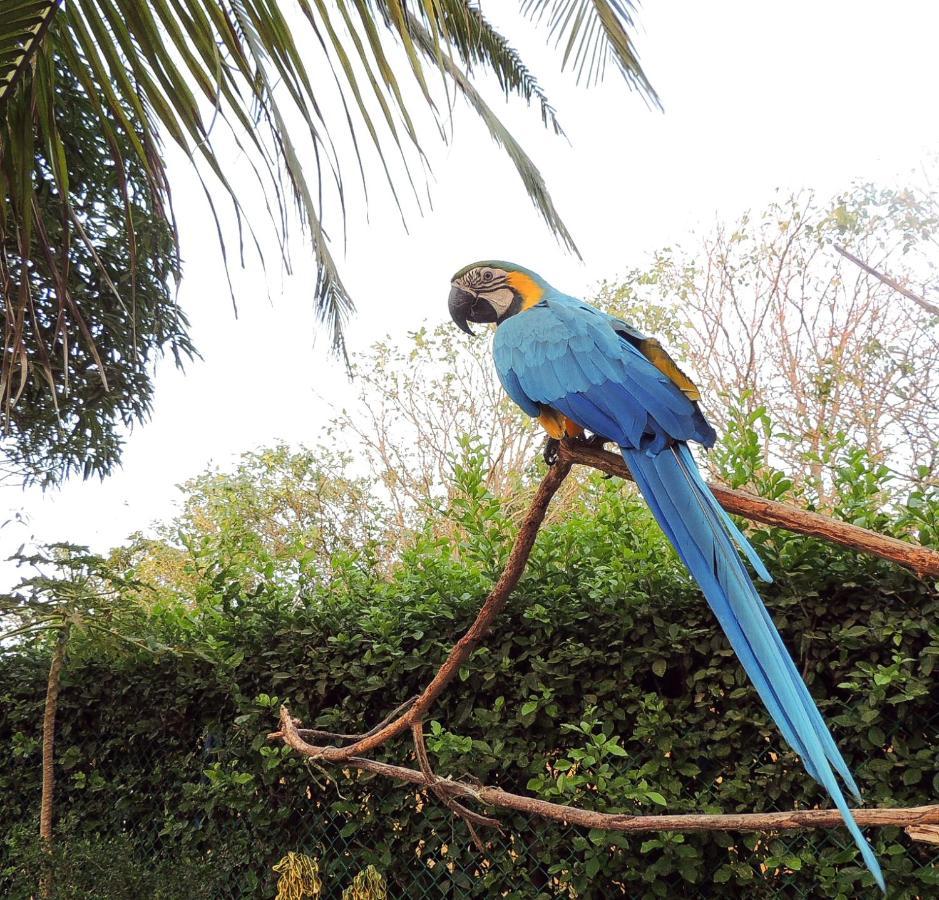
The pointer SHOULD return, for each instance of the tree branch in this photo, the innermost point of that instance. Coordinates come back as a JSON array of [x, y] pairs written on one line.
[[913, 818], [922, 302], [921, 822], [921, 560], [465, 646]]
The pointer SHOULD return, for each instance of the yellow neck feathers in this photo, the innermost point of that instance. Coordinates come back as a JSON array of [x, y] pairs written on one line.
[[528, 289]]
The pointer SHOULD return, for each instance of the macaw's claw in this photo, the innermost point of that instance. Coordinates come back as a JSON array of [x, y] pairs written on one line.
[[596, 440], [550, 451]]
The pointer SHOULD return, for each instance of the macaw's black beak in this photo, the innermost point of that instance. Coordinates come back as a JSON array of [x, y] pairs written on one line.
[[466, 307]]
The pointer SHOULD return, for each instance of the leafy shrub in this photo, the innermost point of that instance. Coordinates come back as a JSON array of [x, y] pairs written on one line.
[[113, 867], [606, 683]]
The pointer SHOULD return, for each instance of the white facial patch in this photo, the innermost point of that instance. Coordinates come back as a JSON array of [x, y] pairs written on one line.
[[500, 299]]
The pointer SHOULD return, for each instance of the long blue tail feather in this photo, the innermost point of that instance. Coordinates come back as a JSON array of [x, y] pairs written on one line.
[[821, 729], [704, 536]]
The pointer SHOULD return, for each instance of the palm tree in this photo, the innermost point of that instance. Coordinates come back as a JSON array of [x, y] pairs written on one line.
[[260, 75]]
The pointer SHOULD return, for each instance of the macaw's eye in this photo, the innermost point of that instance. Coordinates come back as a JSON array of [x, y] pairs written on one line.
[[487, 276]]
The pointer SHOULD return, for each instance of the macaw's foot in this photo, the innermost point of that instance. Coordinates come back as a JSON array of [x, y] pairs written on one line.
[[595, 440], [550, 451]]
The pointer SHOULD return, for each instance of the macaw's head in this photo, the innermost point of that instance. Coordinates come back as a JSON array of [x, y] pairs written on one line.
[[492, 291]]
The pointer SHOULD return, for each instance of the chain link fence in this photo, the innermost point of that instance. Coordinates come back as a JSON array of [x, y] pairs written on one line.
[[127, 815]]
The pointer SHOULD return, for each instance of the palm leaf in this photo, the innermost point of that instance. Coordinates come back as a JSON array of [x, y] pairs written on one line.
[[531, 177], [478, 43], [592, 32], [22, 29], [182, 70]]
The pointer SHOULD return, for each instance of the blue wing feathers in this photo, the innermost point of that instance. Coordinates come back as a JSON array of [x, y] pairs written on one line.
[[568, 356], [511, 386], [554, 351]]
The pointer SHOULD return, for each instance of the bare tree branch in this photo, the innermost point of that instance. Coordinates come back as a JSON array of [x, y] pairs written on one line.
[[922, 302], [339, 736], [921, 560], [927, 834]]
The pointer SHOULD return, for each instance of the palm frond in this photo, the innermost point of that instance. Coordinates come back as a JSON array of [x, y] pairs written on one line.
[[22, 29], [532, 179], [185, 70], [592, 32], [477, 42]]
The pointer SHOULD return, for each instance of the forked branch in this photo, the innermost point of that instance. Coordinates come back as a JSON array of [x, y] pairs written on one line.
[[914, 818], [465, 646], [920, 822]]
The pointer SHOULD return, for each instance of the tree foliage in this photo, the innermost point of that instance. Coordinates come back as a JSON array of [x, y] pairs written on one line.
[[293, 99], [417, 399], [770, 317], [279, 515], [607, 684], [88, 310]]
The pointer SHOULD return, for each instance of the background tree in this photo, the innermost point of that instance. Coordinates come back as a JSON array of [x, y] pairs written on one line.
[[88, 297], [278, 516], [787, 339], [417, 400], [72, 594], [214, 76], [775, 323]]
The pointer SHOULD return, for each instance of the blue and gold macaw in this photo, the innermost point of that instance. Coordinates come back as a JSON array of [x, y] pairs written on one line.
[[576, 368]]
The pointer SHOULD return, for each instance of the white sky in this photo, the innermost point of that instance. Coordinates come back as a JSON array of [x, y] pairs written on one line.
[[757, 96]]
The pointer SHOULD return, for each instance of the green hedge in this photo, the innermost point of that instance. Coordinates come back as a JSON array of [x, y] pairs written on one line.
[[606, 683]]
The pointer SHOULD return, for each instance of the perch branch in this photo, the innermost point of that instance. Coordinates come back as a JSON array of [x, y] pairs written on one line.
[[921, 822], [913, 818], [920, 559], [920, 301]]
